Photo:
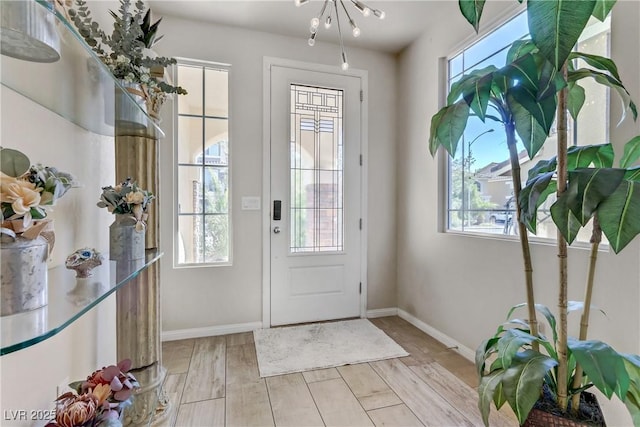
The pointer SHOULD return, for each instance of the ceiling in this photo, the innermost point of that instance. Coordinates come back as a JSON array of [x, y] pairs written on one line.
[[404, 21]]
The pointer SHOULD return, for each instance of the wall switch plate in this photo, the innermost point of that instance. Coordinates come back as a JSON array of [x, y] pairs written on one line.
[[251, 203]]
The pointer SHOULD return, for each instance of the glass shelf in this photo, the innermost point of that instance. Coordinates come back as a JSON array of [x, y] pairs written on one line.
[[78, 87], [69, 298]]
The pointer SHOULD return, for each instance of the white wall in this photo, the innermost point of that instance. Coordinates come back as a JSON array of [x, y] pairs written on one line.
[[461, 285], [209, 297], [29, 377]]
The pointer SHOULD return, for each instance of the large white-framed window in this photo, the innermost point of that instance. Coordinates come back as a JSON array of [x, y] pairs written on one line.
[[479, 193], [203, 165]]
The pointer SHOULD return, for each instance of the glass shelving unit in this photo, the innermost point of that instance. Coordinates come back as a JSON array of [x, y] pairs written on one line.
[[69, 298], [78, 87]]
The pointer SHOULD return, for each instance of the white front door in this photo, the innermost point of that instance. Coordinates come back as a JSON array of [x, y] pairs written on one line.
[[315, 186]]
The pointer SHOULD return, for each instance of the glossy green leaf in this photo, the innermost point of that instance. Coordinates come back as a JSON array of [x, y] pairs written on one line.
[[597, 61], [619, 215], [472, 11], [543, 166], [532, 196], [556, 25], [520, 48], [575, 99], [486, 391], [593, 187], [611, 82], [434, 142], [602, 9], [562, 216], [483, 351], [477, 97], [543, 111], [510, 343], [531, 133], [631, 152], [602, 364], [522, 73], [452, 125], [548, 83], [544, 310], [582, 156], [633, 174], [467, 83], [499, 398], [522, 382], [579, 305]]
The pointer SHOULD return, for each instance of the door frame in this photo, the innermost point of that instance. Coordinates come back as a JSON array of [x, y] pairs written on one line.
[[268, 62]]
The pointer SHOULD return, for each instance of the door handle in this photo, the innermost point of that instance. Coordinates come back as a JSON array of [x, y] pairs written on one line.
[[276, 230], [277, 210]]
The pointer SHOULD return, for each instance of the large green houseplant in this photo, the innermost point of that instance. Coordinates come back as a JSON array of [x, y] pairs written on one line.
[[539, 83]]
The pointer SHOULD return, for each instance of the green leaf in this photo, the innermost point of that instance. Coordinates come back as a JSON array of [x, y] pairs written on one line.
[[597, 61], [477, 97], [556, 25], [472, 11], [486, 391], [575, 99], [593, 186], [548, 83], [579, 305], [563, 218], [543, 166], [545, 312], [583, 156], [531, 198], [602, 9], [468, 82], [522, 73], [531, 133], [520, 48], [602, 364], [509, 344], [522, 382], [611, 82], [447, 127], [499, 398], [619, 215], [631, 152], [633, 174], [13, 162]]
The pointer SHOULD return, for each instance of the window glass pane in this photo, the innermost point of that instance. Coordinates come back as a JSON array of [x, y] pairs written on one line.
[[316, 170], [191, 189], [455, 66], [216, 190], [216, 238], [190, 78], [216, 136], [190, 239], [480, 188], [216, 93], [189, 139]]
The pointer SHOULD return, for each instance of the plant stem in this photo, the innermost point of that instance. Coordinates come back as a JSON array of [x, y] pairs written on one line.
[[561, 120], [522, 229], [596, 238]]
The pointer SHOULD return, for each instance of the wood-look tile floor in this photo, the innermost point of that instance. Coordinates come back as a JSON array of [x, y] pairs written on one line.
[[215, 382]]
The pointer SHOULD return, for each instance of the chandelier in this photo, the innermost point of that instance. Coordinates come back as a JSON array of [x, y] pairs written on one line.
[[331, 8]]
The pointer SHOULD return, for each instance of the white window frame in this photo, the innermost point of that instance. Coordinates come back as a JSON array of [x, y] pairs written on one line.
[[176, 215]]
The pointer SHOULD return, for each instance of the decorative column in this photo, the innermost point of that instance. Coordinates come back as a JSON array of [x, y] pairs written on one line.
[[138, 303]]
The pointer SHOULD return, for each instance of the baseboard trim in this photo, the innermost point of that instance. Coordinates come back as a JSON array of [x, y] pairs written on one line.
[[382, 312], [209, 331], [445, 339]]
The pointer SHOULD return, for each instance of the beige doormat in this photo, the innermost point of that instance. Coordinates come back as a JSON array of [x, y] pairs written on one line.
[[322, 345]]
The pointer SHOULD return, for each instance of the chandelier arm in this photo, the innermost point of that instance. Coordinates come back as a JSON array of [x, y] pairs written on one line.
[[351, 21], [345, 63]]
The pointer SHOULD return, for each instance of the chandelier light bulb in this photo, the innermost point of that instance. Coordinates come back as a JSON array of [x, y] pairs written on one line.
[[312, 39], [315, 23], [301, 2], [327, 23], [345, 66], [379, 13], [366, 11], [356, 32]]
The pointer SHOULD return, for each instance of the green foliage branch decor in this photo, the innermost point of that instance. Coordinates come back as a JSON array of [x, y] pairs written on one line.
[[539, 83]]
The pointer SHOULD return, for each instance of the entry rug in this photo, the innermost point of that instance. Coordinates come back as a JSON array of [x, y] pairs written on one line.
[[322, 345]]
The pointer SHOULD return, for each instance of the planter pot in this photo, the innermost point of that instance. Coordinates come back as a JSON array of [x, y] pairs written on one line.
[[130, 115], [24, 275], [28, 32], [542, 415], [125, 242]]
